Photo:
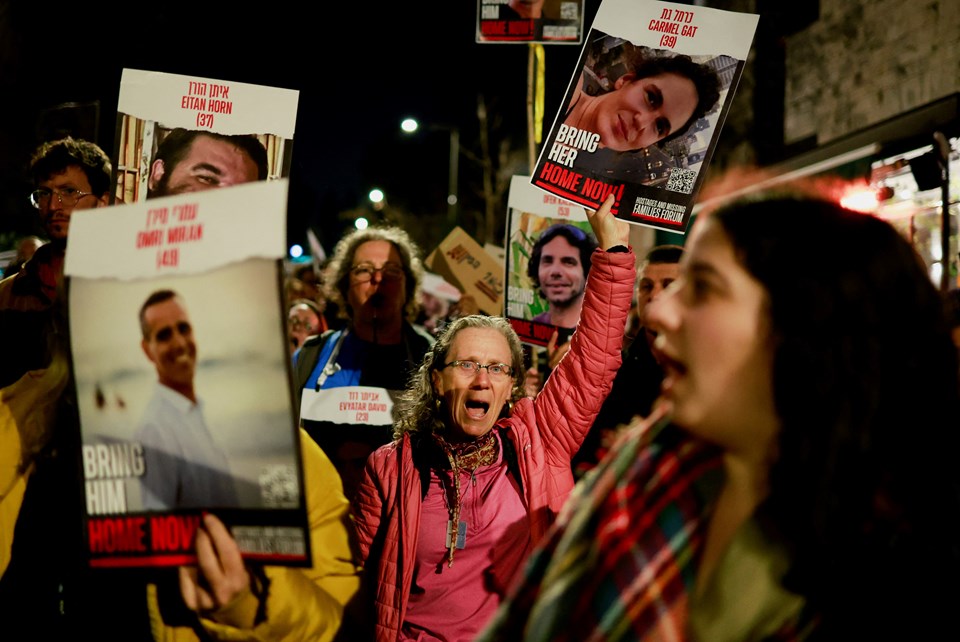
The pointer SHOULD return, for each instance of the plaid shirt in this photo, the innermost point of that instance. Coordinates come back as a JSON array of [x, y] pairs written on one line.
[[621, 561]]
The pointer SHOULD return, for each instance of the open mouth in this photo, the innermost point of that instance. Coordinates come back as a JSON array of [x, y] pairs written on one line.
[[673, 371], [476, 409], [671, 364]]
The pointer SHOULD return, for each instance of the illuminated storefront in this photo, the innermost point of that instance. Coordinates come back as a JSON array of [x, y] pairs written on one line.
[[894, 170]]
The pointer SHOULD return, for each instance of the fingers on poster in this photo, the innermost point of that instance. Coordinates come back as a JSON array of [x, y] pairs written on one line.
[[644, 109], [182, 382]]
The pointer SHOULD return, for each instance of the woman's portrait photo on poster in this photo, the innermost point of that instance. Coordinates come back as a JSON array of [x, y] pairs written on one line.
[[634, 113]]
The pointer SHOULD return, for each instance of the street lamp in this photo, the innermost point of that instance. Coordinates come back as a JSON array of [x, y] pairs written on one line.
[[378, 199], [410, 126]]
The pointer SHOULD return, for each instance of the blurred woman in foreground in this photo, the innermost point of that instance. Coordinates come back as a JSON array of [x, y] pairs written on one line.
[[803, 483]]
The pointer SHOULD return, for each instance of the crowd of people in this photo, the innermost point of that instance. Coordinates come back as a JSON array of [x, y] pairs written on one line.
[[764, 453]]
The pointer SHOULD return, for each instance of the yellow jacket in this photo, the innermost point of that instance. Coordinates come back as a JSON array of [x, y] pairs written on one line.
[[301, 603]]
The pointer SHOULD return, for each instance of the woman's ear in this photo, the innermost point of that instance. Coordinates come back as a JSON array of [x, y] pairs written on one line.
[[624, 79], [437, 381]]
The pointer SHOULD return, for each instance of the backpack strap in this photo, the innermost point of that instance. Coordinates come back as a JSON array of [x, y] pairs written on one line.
[[306, 360]]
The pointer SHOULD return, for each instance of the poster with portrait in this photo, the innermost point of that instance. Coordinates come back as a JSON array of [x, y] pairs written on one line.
[[644, 108], [182, 376], [177, 134], [518, 21], [549, 243]]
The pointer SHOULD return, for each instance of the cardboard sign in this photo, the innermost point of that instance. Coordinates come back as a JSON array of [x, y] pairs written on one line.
[[462, 261]]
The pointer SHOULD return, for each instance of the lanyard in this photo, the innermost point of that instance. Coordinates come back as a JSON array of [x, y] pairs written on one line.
[[331, 367]]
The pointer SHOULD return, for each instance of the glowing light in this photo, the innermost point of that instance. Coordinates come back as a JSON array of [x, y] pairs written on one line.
[[409, 125], [936, 271], [296, 251], [860, 198], [375, 196], [361, 223], [936, 249]]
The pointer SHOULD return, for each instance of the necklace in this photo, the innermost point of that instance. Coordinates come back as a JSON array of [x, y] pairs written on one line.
[[469, 456]]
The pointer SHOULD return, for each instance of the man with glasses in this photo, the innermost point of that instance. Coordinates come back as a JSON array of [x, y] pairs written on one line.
[[346, 378], [67, 175], [46, 583], [44, 579]]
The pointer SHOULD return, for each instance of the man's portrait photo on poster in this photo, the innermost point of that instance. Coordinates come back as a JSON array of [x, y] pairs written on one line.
[[193, 387], [548, 258], [184, 465], [185, 160], [558, 268]]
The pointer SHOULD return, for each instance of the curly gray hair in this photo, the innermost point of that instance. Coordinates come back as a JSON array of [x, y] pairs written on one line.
[[420, 409], [338, 271]]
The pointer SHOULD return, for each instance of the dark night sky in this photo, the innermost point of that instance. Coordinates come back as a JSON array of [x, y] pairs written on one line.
[[358, 72]]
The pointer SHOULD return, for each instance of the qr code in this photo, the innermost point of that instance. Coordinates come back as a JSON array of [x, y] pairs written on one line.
[[278, 486], [568, 10], [681, 180]]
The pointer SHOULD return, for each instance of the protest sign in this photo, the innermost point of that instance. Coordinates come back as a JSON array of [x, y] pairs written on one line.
[[549, 242], [182, 381], [644, 108], [463, 262], [179, 134], [519, 21]]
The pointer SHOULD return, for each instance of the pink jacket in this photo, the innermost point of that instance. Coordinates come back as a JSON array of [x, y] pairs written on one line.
[[545, 434]]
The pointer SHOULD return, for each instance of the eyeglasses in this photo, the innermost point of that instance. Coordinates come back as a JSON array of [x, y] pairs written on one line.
[[67, 196], [365, 271], [471, 368], [298, 324]]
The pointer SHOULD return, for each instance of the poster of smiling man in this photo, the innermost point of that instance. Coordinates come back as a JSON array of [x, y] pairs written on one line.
[[183, 384], [548, 249]]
